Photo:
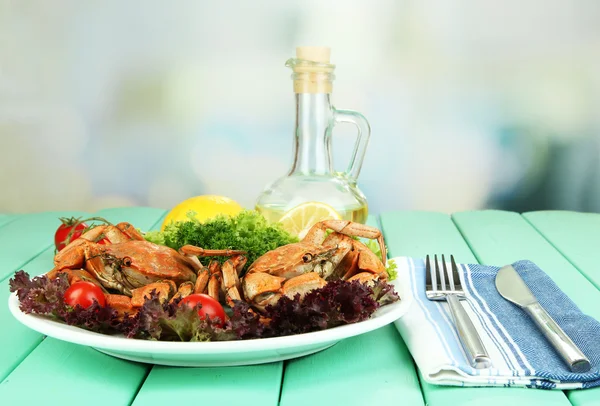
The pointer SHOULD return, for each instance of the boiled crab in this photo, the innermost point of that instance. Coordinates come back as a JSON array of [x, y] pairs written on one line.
[[310, 263], [133, 266]]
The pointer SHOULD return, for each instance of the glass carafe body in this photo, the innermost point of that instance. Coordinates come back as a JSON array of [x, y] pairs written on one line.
[[311, 177]]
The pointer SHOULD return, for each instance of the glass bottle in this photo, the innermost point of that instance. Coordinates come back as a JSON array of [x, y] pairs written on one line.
[[311, 177]]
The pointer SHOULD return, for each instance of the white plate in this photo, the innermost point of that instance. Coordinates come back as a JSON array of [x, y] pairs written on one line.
[[221, 353]]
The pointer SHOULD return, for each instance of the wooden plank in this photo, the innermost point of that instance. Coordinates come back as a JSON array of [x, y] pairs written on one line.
[[577, 237], [256, 385], [588, 397], [14, 347], [377, 360], [76, 368], [25, 243], [58, 372], [264, 391], [7, 218], [26, 237], [499, 238], [373, 368], [417, 234], [23, 240], [143, 218], [261, 383]]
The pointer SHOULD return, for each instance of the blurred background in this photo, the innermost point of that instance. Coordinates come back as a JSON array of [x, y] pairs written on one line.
[[472, 103]]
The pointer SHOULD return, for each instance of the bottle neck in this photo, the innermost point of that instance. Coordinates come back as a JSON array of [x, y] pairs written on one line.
[[312, 146]]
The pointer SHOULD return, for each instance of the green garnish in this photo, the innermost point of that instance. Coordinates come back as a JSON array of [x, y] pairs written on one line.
[[248, 231], [392, 270]]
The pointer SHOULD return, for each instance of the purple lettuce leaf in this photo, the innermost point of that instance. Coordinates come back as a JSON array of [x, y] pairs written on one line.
[[40, 295], [171, 322], [94, 318], [337, 303], [45, 296], [245, 323], [384, 293]]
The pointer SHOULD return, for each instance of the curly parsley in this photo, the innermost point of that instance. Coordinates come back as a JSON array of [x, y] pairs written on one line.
[[248, 231]]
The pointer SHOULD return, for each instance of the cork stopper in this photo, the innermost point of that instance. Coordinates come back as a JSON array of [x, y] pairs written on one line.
[[313, 73], [315, 54]]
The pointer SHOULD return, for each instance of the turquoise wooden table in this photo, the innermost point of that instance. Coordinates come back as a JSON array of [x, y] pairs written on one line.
[[374, 368]]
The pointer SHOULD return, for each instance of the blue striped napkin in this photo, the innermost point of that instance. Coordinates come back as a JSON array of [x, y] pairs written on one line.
[[520, 354]]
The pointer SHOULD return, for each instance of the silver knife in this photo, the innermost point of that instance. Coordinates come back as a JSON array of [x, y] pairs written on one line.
[[513, 288]]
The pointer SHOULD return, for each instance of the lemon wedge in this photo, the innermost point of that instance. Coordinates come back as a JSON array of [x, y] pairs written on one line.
[[204, 207], [298, 220]]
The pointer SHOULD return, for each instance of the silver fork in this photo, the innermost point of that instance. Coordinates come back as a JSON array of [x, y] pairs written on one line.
[[452, 292]]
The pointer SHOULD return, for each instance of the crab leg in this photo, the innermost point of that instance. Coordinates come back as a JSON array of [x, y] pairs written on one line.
[[202, 280], [364, 277], [94, 233], [214, 267], [122, 232], [213, 270], [72, 256], [114, 234], [192, 261], [130, 231], [213, 286], [201, 252], [121, 303], [210, 278], [185, 289], [317, 233], [214, 279], [231, 282], [239, 261], [75, 275]]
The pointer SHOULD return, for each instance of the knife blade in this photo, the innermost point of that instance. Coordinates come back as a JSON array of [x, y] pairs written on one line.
[[513, 288]]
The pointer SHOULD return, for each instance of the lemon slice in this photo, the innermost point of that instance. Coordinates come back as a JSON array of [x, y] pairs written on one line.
[[205, 208], [298, 220]]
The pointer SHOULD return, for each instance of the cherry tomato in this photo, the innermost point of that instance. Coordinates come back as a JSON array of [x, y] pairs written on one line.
[[72, 228], [83, 294], [104, 241], [68, 226], [210, 307]]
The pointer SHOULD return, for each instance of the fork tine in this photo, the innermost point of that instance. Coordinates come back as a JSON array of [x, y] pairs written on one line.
[[441, 274], [428, 284], [448, 273], [455, 274]]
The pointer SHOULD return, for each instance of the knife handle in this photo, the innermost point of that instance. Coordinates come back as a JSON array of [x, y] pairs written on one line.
[[469, 337], [570, 353]]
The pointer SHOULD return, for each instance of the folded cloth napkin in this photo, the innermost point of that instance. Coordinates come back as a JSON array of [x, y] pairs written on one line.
[[520, 354]]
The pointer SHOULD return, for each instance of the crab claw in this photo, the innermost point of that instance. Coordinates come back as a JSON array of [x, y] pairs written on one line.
[[303, 284], [262, 289], [366, 278]]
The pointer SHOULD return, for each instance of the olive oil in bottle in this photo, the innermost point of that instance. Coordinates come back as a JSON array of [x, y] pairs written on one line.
[[311, 177]]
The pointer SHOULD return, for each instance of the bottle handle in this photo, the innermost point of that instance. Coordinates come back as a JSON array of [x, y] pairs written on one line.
[[360, 147]]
